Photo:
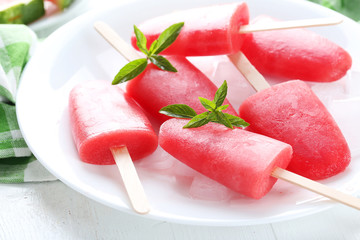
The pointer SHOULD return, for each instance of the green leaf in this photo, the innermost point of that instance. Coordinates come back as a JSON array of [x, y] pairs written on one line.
[[152, 47], [214, 114], [167, 37], [162, 63], [221, 108], [221, 118], [220, 94], [178, 110], [140, 40], [208, 104], [236, 121], [198, 120], [130, 71]]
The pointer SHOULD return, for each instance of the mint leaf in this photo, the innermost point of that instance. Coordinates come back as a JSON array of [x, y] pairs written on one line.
[[221, 118], [140, 40], [162, 63], [134, 68], [236, 121], [221, 108], [130, 71], [214, 113], [178, 110], [220, 94], [208, 104], [166, 38], [152, 47], [198, 120]]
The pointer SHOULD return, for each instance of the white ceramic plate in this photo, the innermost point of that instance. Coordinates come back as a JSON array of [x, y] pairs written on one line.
[[76, 53]]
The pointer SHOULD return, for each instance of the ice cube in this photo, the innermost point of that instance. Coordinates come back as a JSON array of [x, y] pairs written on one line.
[[238, 88], [346, 113], [184, 175], [353, 83], [204, 188], [329, 91], [207, 65], [159, 160]]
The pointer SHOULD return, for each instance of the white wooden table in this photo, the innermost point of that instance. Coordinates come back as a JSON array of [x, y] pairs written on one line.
[[53, 211]]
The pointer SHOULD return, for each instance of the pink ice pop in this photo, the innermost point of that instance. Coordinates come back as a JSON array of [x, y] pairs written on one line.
[[103, 116], [295, 54], [212, 30], [292, 113], [241, 160], [155, 88]]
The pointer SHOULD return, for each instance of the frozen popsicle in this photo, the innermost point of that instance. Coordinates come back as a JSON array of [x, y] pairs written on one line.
[[292, 113], [103, 116], [106, 124], [243, 161], [238, 159], [295, 54], [215, 29], [216, 33], [155, 88]]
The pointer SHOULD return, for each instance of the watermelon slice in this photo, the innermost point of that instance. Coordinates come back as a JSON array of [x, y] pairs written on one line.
[[61, 4], [21, 11]]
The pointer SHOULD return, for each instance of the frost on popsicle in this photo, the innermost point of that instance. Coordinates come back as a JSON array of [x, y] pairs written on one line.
[[213, 114], [134, 68]]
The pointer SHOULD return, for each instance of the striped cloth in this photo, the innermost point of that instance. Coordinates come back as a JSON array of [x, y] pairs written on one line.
[[17, 164]]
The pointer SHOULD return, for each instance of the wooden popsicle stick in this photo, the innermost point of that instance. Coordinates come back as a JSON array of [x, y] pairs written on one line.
[[121, 155], [257, 81], [131, 180], [117, 42], [303, 23], [316, 187]]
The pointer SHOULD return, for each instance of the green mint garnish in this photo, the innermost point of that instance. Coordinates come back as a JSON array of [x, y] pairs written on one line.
[[166, 38], [213, 114], [162, 63], [136, 67], [178, 111], [130, 71]]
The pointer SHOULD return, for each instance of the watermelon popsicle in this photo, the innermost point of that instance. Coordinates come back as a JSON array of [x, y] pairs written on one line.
[[183, 86], [209, 30], [155, 88], [214, 30], [239, 159], [106, 124], [245, 162], [292, 113], [295, 54]]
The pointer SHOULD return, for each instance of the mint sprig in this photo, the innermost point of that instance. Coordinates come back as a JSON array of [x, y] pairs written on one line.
[[136, 67], [213, 114]]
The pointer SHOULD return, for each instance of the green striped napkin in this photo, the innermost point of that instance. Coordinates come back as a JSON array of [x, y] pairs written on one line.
[[17, 164]]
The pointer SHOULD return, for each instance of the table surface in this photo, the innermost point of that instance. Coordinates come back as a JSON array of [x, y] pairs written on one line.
[[51, 210], [54, 211]]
